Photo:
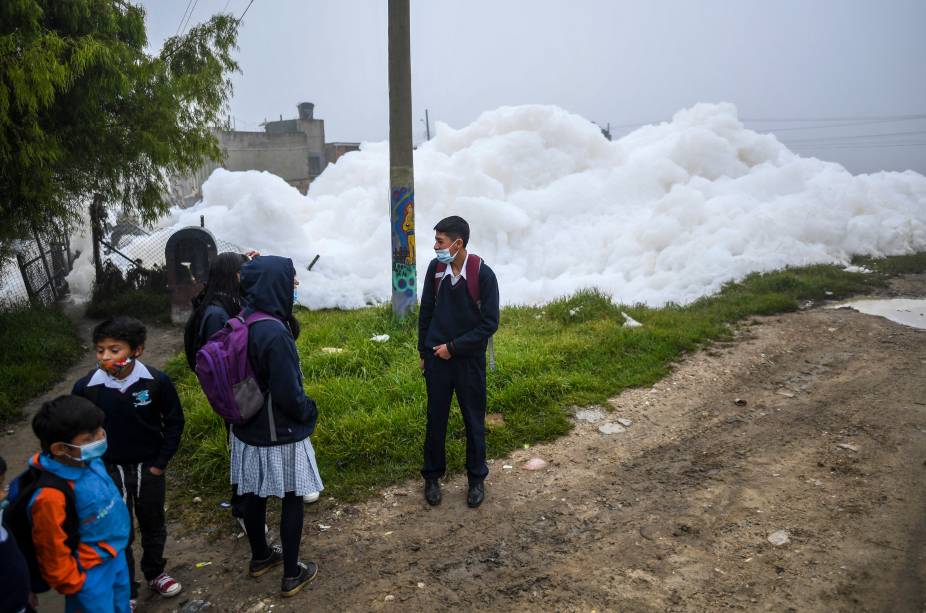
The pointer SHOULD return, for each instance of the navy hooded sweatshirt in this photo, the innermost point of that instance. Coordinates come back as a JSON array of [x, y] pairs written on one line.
[[268, 282]]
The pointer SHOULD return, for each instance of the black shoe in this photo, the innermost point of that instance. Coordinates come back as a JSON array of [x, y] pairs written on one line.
[[259, 567], [432, 491], [477, 493], [291, 585]]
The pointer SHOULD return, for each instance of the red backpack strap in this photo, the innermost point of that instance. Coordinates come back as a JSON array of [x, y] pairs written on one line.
[[440, 271], [473, 266]]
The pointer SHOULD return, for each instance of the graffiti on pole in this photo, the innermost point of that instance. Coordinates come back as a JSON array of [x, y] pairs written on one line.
[[404, 281]]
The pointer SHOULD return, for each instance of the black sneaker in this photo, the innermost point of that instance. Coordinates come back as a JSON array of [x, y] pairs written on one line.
[[260, 567], [477, 493], [432, 492], [291, 585]]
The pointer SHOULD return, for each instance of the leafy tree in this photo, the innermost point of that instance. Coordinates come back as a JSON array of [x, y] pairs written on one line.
[[88, 118]]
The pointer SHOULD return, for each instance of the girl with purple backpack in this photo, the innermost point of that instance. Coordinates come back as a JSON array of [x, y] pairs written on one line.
[[271, 454]]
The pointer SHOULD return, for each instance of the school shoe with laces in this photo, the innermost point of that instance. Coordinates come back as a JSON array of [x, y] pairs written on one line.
[[290, 586], [256, 568], [165, 585], [432, 492]]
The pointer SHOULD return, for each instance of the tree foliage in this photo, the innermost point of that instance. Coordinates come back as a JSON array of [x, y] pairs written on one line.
[[86, 113]]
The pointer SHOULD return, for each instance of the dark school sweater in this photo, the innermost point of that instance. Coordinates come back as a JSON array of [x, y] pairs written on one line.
[[143, 424], [452, 317]]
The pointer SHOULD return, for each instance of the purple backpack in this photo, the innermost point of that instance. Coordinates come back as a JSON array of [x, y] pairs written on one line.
[[225, 372]]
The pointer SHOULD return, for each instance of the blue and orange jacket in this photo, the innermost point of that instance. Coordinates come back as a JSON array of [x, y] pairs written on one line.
[[104, 523]]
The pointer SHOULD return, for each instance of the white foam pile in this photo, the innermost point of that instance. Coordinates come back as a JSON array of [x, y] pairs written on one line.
[[666, 214]]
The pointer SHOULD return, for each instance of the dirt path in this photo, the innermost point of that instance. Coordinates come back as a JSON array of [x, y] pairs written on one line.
[[16, 448], [672, 515]]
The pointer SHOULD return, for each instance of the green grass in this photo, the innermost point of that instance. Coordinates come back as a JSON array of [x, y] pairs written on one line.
[[896, 265], [573, 351], [38, 346]]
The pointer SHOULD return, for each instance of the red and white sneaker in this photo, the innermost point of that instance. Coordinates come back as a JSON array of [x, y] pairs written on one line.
[[165, 585]]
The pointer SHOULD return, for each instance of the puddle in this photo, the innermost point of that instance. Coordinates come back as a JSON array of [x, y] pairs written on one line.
[[906, 311]]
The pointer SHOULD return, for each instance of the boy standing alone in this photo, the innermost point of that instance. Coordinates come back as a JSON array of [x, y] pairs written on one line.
[[458, 315], [143, 422]]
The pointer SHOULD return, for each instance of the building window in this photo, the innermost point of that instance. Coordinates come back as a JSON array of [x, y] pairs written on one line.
[[315, 165]]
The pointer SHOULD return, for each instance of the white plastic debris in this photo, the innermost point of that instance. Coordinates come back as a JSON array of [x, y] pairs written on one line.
[[336, 349], [624, 422], [535, 464], [380, 338], [849, 446], [630, 322], [779, 538], [590, 414], [611, 428]]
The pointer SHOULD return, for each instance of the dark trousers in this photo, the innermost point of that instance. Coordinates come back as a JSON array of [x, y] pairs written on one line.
[[467, 377], [145, 500]]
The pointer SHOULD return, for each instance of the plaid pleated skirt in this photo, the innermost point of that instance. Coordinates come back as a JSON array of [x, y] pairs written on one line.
[[273, 471]]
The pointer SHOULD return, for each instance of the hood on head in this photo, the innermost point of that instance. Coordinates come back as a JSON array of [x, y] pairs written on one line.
[[268, 282]]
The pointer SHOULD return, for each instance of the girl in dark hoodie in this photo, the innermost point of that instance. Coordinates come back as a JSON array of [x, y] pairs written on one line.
[[271, 455]]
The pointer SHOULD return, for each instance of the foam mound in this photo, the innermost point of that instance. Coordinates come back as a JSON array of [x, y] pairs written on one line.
[[669, 213]]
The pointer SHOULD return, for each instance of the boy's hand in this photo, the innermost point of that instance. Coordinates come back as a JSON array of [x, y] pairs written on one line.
[[442, 352], [157, 472]]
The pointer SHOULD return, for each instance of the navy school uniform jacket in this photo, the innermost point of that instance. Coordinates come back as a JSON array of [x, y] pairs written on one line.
[[143, 422], [454, 318], [214, 318], [267, 282]]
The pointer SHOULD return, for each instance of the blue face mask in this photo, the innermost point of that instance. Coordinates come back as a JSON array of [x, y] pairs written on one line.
[[444, 256], [295, 296], [91, 451]]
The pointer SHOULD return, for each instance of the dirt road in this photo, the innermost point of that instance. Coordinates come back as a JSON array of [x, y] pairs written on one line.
[[673, 514]]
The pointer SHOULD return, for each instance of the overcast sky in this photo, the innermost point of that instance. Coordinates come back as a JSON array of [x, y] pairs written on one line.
[[623, 62]]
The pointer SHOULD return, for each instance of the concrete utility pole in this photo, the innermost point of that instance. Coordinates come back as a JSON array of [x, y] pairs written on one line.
[[401, 168]]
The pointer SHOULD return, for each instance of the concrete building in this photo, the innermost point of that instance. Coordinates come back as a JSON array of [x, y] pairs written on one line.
[[333, 151], [293, 149]]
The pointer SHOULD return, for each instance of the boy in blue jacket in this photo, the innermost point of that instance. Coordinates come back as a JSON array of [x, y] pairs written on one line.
[[93, 576], [458, 316]]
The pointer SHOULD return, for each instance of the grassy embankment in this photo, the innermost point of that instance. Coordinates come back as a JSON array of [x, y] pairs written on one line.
[[38, 346], [574, 351]]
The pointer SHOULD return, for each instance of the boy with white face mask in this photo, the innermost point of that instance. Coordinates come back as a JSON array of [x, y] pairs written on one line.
[[458, 315], [73, 516]]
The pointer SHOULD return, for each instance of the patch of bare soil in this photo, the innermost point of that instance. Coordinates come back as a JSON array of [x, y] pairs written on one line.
[[674, 514]]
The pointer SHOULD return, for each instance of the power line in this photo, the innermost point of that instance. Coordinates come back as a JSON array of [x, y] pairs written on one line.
[[190, 16], [855, 137], [860, 145], [847, 121], [818, 119], [245, 11], [182, 17]]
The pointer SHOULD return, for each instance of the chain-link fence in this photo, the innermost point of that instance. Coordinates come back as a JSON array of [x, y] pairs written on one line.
[[37, 272], [130, 246]]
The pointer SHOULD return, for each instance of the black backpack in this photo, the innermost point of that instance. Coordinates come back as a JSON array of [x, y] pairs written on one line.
[[17, 519]]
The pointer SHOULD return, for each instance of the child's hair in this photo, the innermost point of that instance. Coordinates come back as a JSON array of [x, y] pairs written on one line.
[[222, 287], [65, 417], [455, 227], [121, 328]]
